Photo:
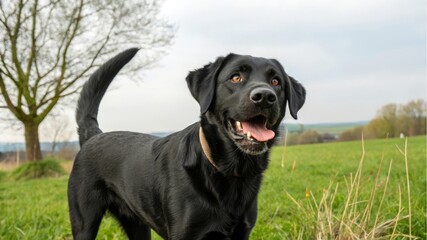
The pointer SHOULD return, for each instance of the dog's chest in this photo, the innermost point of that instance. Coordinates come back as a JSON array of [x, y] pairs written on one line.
[[235, 196]]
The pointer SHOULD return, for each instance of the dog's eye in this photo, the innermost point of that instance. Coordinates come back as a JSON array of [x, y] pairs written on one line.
[[236, 78], [275, 82]]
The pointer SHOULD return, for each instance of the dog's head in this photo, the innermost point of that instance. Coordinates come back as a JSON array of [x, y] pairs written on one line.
[[246, 98]]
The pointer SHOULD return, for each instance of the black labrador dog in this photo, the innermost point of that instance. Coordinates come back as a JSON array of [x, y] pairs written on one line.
[[198, 183]]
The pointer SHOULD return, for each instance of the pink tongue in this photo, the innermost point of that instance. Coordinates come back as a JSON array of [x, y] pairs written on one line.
[[258, 131]]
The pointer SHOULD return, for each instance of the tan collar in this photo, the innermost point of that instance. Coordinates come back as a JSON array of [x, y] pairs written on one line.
[[206, 149]]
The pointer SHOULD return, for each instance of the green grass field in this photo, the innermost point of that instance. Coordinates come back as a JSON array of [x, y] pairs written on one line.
[[37, 209]]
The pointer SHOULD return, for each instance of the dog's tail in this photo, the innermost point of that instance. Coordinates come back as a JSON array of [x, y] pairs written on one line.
[[93, 91]]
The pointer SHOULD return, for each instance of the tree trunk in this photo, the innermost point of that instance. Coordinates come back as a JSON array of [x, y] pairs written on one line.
[[32, 144]]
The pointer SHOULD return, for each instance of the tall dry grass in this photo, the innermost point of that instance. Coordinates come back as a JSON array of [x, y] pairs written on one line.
[[360, 217]]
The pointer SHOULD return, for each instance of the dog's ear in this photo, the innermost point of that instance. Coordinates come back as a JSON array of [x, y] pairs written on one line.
[[294, 92], [295, 95], [202, 83]]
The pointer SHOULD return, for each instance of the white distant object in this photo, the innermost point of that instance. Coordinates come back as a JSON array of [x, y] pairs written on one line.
[[402, 135]]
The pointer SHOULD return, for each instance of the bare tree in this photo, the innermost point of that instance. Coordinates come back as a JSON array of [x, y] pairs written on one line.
[[48, 46]]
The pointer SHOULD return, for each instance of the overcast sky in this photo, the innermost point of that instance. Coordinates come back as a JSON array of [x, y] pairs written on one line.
[[352, 56]]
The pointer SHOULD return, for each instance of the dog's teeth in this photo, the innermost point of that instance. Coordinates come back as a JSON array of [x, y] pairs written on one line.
[[248, 134], [239, 126]]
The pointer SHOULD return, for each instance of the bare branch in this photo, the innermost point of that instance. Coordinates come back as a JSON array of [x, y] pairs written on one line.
[[68, 43], [16, 111], [43, 29], [6, 70], [33, 39], [14, 40]]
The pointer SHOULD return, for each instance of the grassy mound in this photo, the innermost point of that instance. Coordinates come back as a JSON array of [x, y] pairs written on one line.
[[38, 169]]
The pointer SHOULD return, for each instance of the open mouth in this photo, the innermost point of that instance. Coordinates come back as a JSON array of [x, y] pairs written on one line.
[[251, 135]]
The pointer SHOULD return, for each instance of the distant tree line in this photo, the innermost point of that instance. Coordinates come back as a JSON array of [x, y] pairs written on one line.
[[392, 120], [305, 137]]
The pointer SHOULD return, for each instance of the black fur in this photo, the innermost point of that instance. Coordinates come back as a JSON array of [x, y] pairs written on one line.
[[167, 184]]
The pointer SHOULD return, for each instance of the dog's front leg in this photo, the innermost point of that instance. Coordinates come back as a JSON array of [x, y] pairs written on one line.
[[242, 231], [244, 228]]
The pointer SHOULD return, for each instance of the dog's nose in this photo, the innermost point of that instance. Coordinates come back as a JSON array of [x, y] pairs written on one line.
[[263, 97]]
